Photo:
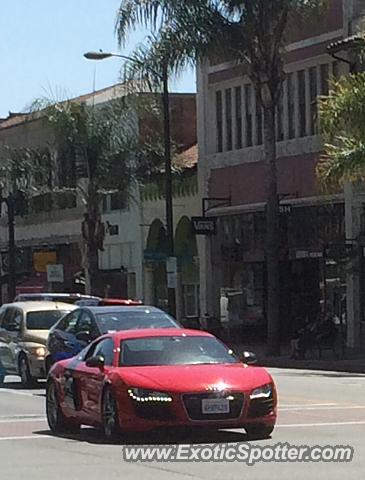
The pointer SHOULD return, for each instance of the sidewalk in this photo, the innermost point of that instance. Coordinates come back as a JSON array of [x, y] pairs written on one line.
[[351, 364]]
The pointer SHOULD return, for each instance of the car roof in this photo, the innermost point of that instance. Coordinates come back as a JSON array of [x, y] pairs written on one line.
[[57, 295], [33, 306], [123, 308], [158, 332]]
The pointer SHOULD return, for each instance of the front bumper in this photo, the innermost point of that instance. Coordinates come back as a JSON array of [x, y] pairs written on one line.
[[185, 411], [37, 366]]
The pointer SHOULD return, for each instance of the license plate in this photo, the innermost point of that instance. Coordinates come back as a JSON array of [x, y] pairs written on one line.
[[215, 405]]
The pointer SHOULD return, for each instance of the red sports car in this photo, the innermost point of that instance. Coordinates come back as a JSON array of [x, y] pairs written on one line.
[[138, 380]]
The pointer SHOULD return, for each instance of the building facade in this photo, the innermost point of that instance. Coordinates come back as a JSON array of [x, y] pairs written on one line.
[[321, 260], [50, 231]]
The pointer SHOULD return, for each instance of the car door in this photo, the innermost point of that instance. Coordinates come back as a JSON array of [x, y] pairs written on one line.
[[92, 379], [10, 338], [62, 342]]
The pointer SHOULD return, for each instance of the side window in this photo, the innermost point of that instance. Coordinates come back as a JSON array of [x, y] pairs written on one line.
[[8, 321], [68, 324], [18, 319], [86, 323], [105, 348]]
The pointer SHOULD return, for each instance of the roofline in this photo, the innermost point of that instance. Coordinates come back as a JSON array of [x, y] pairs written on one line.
[[37, 114]]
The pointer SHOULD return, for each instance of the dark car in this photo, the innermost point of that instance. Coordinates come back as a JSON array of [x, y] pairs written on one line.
[[74, 331]]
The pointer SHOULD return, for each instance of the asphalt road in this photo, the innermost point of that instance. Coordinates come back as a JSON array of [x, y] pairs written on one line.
[[315, 408]]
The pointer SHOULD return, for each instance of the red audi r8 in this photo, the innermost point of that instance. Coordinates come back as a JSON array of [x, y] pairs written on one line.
[[138, 380]]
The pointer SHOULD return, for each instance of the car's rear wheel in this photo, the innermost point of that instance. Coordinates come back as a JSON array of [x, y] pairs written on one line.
[[24, 372], [2, 378], [110, 418], [259, 431], [55, 418]]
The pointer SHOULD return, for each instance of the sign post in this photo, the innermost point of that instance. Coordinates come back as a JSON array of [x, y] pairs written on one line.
[[171, 270]]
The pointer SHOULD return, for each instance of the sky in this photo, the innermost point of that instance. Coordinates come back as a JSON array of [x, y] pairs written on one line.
[[42, 43]]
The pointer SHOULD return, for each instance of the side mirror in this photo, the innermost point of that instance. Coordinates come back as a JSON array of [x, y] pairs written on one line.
[[13, 327], [83, 336], [249, 358], [96, 362]]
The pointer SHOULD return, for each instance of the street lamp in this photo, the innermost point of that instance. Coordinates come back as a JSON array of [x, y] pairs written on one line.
[[163, 77]]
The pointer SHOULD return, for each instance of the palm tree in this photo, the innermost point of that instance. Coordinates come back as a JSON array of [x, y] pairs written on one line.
[[343, 126], [103, 152], [253, 32]]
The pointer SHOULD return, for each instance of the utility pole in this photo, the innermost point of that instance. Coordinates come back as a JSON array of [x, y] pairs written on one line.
[[168, 180]]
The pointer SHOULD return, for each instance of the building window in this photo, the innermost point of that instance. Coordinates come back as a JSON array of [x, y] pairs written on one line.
[[291, 105], [191, 300], [313, 100], [302, 103], [238, 104], [324, 79], [248, 108], [229, 119], [118, 201], [336, 70], [219, 120], [258, 121], [279, 117]]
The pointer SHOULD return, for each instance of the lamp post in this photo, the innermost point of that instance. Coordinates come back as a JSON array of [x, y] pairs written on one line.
[[164, 78], [10, 201]]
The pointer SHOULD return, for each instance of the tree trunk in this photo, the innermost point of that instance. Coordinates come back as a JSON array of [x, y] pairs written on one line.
[[93, 235], [272, 233]]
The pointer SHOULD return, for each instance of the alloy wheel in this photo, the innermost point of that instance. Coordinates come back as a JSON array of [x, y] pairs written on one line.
[[110, 421], [52, 406]]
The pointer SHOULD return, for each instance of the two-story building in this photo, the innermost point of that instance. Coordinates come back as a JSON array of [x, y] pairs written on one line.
[[320, 233], [50, 232]]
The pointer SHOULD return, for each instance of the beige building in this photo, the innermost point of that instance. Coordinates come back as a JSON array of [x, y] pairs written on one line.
[[51, 231]]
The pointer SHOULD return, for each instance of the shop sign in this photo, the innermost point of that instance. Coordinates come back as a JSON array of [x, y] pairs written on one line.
[[285, 209], [55, 273], [42, 259], [204, 225]]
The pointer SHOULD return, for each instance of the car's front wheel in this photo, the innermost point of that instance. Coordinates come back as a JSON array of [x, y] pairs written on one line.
[[110, 418], [259, 431], [24, 372], [57, 422]]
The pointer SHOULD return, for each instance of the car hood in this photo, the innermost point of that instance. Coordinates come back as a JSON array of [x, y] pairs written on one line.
[[190, 378], [36, 336]]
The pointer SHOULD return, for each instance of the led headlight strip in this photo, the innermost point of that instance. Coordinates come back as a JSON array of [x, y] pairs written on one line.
[[142, 395]]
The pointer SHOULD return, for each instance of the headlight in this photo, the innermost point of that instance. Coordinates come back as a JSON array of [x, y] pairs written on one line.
[[262, 392], [39, 351], [144, 395]]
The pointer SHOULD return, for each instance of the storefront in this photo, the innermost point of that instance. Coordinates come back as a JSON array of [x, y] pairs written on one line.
[[312, 268]]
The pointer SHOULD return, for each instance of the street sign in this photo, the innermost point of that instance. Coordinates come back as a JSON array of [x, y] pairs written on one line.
[[171, 270], [204, 225], [55, 273]]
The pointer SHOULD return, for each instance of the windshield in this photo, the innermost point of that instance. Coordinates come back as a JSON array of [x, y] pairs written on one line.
[[44, 319], [174, 351], [130, 320]]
